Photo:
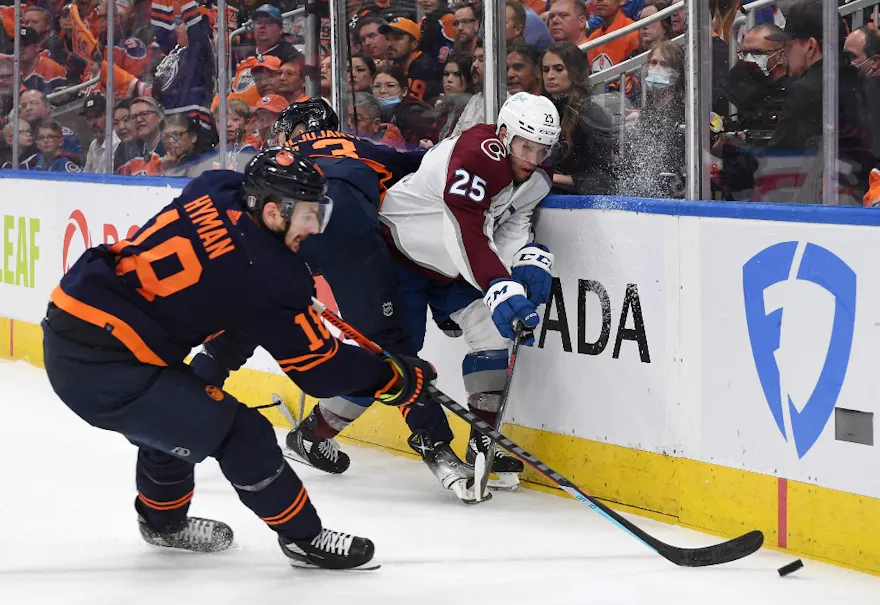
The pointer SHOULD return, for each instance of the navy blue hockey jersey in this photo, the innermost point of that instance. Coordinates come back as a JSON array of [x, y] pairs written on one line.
[[201, 266], [389, 164]]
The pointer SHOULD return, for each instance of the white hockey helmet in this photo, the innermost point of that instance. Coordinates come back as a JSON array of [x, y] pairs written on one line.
[[531, 117]]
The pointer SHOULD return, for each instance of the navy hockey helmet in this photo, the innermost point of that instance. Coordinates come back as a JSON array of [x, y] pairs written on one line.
[[285, 177], [314, 113]]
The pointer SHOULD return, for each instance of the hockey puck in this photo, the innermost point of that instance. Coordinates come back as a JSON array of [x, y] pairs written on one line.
[[790, 568]]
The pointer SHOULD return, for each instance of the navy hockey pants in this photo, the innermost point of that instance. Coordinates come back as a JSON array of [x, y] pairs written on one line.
[[176, 420]]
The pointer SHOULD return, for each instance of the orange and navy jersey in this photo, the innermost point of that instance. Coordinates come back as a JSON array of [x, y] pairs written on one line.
[[202, 266], [615, 51], [46, 76], [438, 35], [389, 164], [132, 56], [142, 166]]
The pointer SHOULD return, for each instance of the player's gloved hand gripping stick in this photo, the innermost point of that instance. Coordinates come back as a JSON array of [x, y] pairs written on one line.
[[716, 554]]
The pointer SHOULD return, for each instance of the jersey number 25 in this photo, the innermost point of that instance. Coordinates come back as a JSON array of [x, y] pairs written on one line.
[[467, 185]]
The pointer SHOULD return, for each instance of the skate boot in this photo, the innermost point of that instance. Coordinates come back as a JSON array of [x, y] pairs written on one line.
[[197, 535], [330, 550], [505, 467], [452, 473], [306, 447]]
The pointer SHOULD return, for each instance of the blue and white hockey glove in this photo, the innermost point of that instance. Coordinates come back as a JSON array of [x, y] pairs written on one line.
[[531, 268], [507, 300]]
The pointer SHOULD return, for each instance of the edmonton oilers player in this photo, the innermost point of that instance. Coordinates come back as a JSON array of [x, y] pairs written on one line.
[[354, 259], [221, 256]]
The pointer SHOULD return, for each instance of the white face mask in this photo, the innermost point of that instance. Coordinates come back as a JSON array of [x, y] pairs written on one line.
[[762, 61], [659, 78]]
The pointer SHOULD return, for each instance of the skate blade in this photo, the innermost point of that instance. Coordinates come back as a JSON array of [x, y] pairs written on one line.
[[368, 566], [504, 482], [292, 455], [481, 477], [466, 493]]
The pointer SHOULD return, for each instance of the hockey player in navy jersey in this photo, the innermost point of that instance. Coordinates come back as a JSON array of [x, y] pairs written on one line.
[[354, 259], [221, 256]]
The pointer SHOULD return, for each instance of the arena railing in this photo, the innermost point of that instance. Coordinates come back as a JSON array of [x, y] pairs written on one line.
[[632, 27]]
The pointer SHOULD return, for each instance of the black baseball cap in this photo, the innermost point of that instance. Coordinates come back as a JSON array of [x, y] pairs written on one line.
[[95, 102], [29, 36], [804, 21]]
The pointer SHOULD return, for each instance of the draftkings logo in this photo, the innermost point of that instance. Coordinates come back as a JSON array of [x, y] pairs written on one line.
[[800, 306]]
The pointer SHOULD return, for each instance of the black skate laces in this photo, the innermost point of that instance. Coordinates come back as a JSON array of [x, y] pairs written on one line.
[[334, 542]]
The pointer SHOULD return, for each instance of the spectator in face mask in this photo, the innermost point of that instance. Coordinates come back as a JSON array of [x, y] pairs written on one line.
[[797, 137], [652, 164], [365, 120], [862, 49], [413, 117]]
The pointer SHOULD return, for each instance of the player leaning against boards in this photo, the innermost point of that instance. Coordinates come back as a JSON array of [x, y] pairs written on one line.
[[479, 190], [126, 315]]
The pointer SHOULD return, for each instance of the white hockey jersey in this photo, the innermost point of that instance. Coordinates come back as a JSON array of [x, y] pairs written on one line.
[[460, 214]]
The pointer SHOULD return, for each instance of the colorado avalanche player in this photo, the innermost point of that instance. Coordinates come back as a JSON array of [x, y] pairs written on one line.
[[479, 190]]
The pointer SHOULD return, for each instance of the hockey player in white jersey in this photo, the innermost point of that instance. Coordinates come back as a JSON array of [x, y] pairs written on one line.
[[460, 230]]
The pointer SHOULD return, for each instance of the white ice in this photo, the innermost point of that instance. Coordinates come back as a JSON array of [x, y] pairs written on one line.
[[68, 535]]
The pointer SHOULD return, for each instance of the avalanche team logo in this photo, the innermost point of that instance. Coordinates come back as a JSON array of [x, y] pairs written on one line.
[[494, 149], [768, 279]]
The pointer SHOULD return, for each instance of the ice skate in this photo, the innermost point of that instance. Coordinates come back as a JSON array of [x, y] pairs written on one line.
[[330, 550], [306, 447], [452, 473], [197, 535], [505, 467]]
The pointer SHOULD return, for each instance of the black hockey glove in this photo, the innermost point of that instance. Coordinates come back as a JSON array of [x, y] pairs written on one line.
[[411, 377]]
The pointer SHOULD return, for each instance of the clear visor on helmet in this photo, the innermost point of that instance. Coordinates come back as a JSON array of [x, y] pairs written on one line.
[[311, 217], [529, 151]]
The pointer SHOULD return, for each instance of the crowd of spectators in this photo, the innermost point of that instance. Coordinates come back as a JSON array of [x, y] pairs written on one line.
[[415, 75]]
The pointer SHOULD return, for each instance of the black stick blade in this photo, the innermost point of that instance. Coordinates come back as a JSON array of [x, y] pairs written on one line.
[[717, 554]]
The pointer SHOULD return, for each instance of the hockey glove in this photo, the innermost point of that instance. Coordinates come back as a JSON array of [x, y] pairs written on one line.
[[507, 300], [411, 377], [531, 268]]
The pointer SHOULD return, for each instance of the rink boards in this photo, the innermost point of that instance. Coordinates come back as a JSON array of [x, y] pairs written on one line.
[[707, 364]]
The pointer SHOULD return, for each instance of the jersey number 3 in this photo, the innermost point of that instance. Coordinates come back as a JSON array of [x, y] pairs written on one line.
[[466, 185]]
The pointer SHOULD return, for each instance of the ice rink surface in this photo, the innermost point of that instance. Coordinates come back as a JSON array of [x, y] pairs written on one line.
[[68, 536]]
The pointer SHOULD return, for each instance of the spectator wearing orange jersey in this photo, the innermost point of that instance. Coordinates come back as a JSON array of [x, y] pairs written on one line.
[[129, 53], [567, 20], [255, 77], [38, 71], [40, 20], [422, 71], [146, 117], [613, 52]]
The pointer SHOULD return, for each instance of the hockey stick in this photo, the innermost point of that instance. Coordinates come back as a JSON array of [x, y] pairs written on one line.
[[483, 461], [725, 552]]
